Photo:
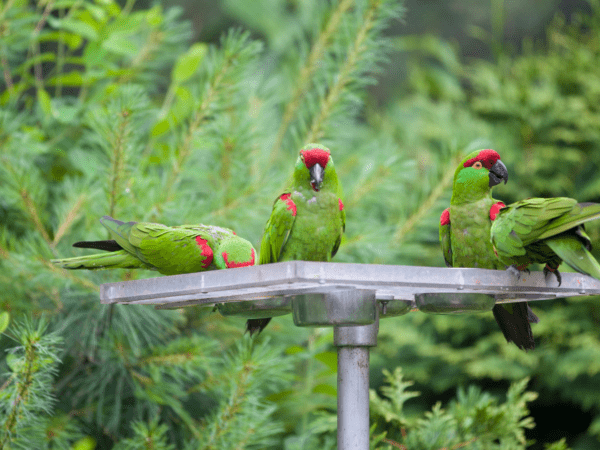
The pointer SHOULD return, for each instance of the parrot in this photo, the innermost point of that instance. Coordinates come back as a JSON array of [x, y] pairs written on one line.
[[465, 235], [546, 231], [308, 218], [168, 250]]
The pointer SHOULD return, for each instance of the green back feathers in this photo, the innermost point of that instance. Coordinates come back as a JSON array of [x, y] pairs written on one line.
[[546, 230], [169, 250]]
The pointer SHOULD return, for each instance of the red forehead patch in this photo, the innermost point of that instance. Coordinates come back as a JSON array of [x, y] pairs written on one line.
[[315, 156], [488, 158]]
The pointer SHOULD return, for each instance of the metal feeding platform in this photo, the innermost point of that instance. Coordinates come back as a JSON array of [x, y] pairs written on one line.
[[351, 298]]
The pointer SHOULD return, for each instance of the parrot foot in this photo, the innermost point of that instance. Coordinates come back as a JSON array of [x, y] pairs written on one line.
[[516, 270], [548, 269]]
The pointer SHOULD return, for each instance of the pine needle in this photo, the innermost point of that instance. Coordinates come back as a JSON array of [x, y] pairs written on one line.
[[68, 221], [345, 76], [35, 217], [304, 80], [426, 206]]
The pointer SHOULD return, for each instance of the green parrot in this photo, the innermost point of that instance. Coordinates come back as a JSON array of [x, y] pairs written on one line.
[[465, 234], [308, 218], [546, 231], [169, 250]]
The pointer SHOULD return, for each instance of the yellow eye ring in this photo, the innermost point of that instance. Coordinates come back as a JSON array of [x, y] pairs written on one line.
[[477, 165]]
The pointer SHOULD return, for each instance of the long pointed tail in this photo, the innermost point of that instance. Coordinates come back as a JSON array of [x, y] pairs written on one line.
[[513, 319], [256, 325], [111, 260], [573, 251]]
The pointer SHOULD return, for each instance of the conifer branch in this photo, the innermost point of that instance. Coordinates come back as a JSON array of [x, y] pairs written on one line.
[[7, 75], [3, 253], [218, 84], [224, 419], [118, 156], [24, 381], [151, 44], [429, 202], [199, 117], [305, 76], [345, 76], [7, 6], [68, 221], [67, 274], [35, 217]]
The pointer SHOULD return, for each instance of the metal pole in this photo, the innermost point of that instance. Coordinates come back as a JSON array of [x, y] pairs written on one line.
[[353, 384]]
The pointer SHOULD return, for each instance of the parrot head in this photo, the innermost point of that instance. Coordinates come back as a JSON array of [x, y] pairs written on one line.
[[476, 175], [234, 252], [314, 168]]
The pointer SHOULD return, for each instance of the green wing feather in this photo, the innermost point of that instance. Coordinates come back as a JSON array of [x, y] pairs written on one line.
[[574, 252], [544, 230], [277, 231]]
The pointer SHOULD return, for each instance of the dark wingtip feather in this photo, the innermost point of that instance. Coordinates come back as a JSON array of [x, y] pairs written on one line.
[[109, 245], [515, 327], [256, 325]]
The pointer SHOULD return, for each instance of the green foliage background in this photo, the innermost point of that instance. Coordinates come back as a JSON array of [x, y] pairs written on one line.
[[110, 109]]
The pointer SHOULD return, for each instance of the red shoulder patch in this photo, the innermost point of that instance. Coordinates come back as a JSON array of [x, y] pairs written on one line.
[[341, 204], [206, 251], [445, 218], [287, 198], [313, 156], [495, 209], [233, 264], [488, 158]]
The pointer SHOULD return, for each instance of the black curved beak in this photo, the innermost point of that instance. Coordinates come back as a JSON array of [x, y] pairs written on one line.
[[316, 176], [498, 173]]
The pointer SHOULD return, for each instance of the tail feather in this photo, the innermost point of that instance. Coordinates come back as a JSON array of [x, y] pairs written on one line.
[[574, 252], [513, 320], [109, 245], [581, 213], [119, 230], [113, 260], [256, 325]]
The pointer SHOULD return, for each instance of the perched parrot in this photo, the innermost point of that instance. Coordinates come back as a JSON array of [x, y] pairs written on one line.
[[308, 218], [465, 234], [546, 231], [169, 250]]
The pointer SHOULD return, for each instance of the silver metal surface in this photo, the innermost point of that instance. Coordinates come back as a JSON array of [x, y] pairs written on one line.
[[453, 303], [353, 383], [342, 306], [326, 294], [299, 277], [257, 308], [362, 336]]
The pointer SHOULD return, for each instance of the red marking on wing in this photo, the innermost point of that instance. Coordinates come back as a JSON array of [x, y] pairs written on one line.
[[287, 198], [495, 209], [445, 218], [488, 158], [206, 251], [315, 155], [233, 264], [341, 204]]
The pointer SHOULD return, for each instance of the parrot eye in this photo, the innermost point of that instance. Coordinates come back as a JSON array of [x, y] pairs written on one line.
[[477, 165]]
